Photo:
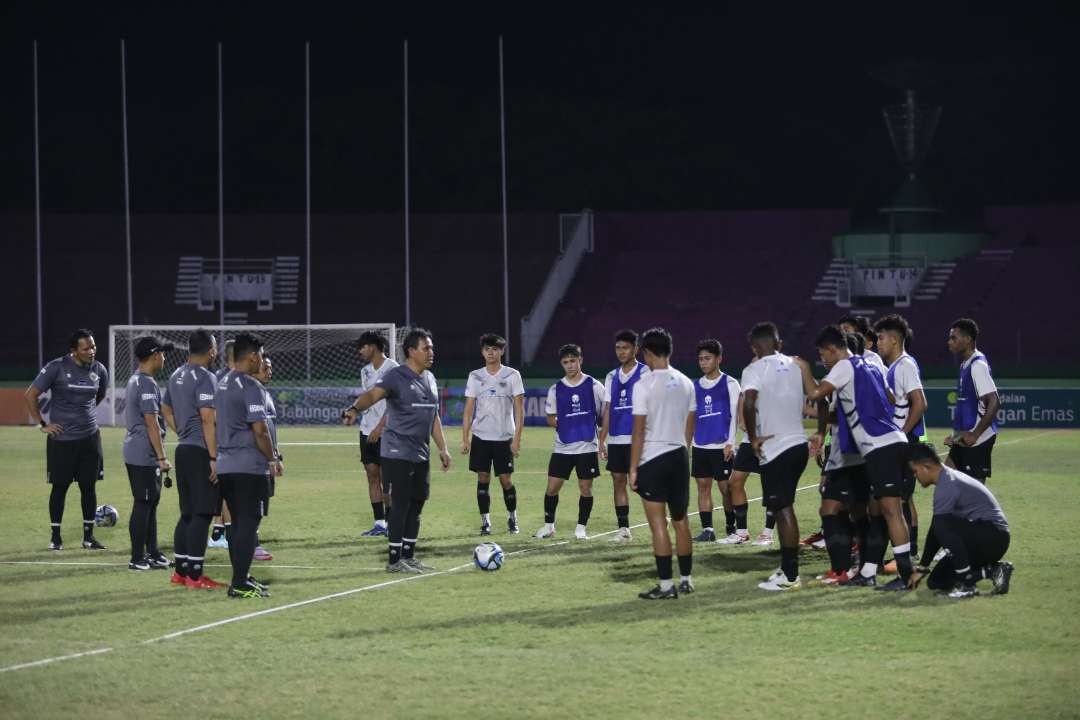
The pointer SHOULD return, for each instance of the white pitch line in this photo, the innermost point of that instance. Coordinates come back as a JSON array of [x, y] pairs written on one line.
[[1029, 437], [46, 661], [323, 598]]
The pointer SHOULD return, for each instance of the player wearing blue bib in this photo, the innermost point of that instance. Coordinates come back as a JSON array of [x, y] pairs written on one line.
[[618, 423], [713, 448], [905, 381], [573, 405], [975, 421]]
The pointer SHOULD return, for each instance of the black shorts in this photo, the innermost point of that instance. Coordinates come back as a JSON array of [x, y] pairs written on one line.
[[885, 470], [369, 451], [746, 460], [198, 496], [666, 479], [974, 460], [145, 482], [70, 461], [587, 465], [244, 493], [618, 458], [484, 454], [780, 477], [846, 485], [710, 463], [406, 480]]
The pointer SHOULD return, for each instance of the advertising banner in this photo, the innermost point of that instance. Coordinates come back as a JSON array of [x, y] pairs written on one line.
[[1020, 407]]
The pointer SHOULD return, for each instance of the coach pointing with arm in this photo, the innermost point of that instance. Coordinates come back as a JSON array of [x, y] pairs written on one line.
[[412, 404]]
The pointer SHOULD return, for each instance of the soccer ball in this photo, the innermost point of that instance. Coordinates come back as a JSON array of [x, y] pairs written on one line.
[[488, 556], [106, 516]]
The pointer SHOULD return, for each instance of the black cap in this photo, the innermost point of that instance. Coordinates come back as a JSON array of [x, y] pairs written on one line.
[[148, 345]]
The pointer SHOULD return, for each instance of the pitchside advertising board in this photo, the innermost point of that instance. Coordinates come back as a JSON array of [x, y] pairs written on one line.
[[1020, 407]]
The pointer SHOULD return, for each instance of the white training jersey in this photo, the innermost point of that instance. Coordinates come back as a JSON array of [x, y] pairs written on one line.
[[906, 380], [665, 397], [742, 383], [734, 390], [369, 375], [608, 382], [779, 385], [874, 359], [552, 408], [842, 377], [494, 416]]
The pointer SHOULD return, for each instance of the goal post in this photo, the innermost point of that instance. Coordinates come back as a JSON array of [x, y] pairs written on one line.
[[316, 367]]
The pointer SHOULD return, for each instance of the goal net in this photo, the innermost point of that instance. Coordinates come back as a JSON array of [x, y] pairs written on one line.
[[316, 368]]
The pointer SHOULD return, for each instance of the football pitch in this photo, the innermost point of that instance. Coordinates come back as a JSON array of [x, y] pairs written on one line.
[[558, 632]]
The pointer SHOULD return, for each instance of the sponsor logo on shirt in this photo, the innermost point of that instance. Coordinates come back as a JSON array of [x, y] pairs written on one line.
[[206, 396], [256, 408], [149, 396]]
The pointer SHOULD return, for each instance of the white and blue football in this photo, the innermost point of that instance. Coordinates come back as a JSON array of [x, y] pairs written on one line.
[[488, 556], [106, 516]]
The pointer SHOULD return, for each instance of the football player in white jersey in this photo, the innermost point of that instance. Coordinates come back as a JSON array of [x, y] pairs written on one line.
[[491, 428]]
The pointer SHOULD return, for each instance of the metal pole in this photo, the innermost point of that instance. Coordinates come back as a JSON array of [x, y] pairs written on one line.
[[221, 197], [307, 192], [127, 185], [37, 219], [408, 289], [505, 243]]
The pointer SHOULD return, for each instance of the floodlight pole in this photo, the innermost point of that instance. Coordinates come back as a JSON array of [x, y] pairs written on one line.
[[127, 184], [37, 218], [405, 126], [505, 243]]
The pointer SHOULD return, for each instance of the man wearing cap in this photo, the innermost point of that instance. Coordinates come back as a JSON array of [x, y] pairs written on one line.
[[144, 454], [76, 383]]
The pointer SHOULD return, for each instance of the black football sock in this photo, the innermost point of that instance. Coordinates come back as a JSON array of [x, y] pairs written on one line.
[[663, 567], [196, 544], [56, 507], [510, 499], [378, 511], [243, 540], [789, 562], [902, 555], [483, 498], [217, 532], [882, 532], [740, 517], [551, 502], [837, 542], [862, 526], [180, 551], [622, 515], [396, 528], [874, 549], [729, 522], [584, 509], [412, 529], [770, 520], [706, 519], [88, 498], [913, 536], [140, 515], [228, 532], [686, 564], [152, 548]]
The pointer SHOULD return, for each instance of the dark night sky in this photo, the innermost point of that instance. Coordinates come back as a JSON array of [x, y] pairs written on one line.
[[614, 108]]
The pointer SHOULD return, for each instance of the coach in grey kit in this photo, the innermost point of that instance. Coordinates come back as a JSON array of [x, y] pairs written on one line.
[[77, 384], [412, 406], [244, 449], [144, 452]]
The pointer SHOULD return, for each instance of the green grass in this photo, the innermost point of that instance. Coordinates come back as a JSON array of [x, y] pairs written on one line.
[[558, 632]]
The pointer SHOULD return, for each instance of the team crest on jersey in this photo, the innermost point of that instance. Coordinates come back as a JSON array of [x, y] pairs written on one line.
[[575, 403], [708, 400], [94, 377]]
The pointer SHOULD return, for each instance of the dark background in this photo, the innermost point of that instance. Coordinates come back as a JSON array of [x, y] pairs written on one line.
[[617, 108]]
